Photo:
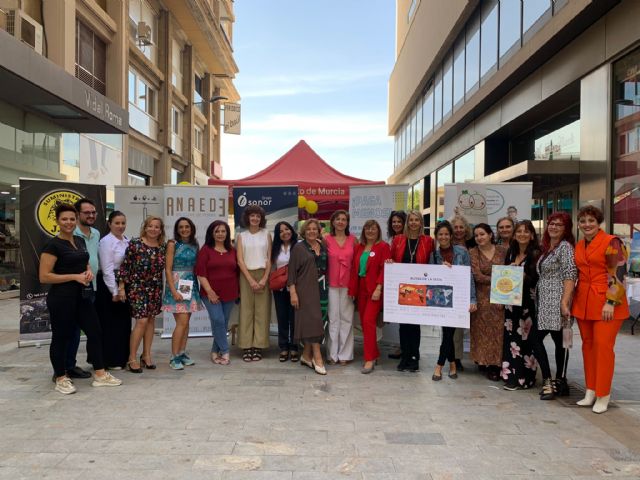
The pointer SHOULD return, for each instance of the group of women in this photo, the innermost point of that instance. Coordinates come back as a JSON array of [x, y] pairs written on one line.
[[317, 281]]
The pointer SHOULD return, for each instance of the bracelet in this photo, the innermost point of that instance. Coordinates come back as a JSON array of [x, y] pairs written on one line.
[[613, 303]]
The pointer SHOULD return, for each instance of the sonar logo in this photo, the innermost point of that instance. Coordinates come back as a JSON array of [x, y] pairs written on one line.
[[46, 208], [242, 200]]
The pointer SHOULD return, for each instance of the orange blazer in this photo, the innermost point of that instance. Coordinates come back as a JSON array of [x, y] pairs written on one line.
[[380, 253], [590, 293]]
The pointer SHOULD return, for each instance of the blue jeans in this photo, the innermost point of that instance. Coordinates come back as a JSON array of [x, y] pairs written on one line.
[[219, 314]]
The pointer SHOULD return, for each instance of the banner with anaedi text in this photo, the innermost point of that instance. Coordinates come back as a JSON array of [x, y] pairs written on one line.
[[202, 205], [38, 201], [427, 294], [279, 203], [375, 202], [512, 199]]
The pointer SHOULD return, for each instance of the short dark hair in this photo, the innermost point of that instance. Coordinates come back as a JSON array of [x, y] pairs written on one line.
[[254, 209], [209, 239], [592, 211], [487, 229], [65, 207], [332, 229], [79, 202], [444, 224], [176, 234]]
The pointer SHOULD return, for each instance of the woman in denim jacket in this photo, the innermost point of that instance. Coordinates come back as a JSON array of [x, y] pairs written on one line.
[[448, 254]]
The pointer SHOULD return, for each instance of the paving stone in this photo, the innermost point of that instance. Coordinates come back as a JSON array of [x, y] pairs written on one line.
[[410, 438]]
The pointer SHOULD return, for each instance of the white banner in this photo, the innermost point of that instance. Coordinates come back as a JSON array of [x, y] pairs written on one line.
[[232, 118], [202, 205], [472, 202], [427, 294], [503, 199], [137, 203], [375, 202]]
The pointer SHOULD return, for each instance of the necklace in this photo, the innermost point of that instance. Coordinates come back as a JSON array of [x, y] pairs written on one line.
[[412, 252]]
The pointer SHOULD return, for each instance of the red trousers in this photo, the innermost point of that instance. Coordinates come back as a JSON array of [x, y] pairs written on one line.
[[598, 340], [368, 310]]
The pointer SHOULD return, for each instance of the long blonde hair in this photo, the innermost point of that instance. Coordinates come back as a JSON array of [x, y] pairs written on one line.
[[417, 214], [146, 223]]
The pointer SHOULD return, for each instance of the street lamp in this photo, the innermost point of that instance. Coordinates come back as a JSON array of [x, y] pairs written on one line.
[[214, 99]]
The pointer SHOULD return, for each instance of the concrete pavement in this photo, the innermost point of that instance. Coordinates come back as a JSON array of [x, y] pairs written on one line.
[[267, 420]]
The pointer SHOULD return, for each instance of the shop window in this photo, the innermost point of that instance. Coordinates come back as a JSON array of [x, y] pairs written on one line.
[[91, 58]]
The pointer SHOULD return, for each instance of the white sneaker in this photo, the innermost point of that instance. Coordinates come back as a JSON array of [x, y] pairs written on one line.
[[107, 380], [65, 386]]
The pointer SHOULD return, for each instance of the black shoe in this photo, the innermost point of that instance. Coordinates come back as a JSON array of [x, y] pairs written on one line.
[[397, 355], [77, 372], [547, 390], [459, 366], [512, 387], [402, 366], [561, 387], [412, 367]]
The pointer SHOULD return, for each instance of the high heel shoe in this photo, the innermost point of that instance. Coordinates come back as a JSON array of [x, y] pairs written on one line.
[[367, 370], [148, 366], [131, 369]]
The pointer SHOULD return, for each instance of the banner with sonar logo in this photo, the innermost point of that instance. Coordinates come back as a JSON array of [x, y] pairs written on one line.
[[279, 203]]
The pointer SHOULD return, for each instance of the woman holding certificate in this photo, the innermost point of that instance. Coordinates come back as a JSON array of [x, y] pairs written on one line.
[[518, 362], [412, 246], [181, 293], [487, 322], [600, 304], [449, 254]]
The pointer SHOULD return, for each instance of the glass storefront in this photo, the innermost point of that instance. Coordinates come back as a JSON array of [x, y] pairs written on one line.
[[626, 135]]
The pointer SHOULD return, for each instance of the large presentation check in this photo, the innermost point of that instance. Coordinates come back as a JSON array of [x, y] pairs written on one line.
[[427, 294]]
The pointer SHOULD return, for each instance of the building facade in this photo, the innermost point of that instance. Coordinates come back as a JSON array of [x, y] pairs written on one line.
[[110, 92], [520, 90]]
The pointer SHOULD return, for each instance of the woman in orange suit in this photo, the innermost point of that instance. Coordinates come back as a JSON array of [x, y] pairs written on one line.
[[365, 286], [600, 304]]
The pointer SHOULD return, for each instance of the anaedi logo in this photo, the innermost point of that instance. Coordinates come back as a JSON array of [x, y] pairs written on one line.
[[46, 208], [243, 201]]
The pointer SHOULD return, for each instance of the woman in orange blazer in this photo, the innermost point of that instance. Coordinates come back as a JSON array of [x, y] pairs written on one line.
[[600, 304], [413, 246], [365, 286]]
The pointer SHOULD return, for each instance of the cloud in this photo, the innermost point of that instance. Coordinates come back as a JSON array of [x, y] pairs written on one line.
[[298, 84]]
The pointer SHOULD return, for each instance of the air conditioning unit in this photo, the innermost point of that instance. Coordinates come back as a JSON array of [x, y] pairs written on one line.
[[24, 28], [143, 34]]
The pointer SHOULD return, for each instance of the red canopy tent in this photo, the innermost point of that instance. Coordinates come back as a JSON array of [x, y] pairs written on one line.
[[316, 180]]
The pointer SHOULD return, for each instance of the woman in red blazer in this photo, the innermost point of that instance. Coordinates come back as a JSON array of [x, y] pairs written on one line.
[[365, 286], [413, 246]]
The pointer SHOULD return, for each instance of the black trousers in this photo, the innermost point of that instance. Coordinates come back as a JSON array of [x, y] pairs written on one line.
[[447, 349], [67, 313], [115, 324], [562, 354], [286, 320], [410, 343]]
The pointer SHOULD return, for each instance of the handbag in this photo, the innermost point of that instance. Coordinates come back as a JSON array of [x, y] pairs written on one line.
[[278, 278]]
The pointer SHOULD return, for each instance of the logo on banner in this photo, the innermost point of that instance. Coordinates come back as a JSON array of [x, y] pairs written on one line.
[[243, 201], [46, 208]]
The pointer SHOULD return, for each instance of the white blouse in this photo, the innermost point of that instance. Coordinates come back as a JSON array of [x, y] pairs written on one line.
[[255, 248], [283, 256], [111, 253]]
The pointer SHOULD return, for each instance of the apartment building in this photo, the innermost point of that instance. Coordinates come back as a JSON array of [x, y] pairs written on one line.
[[110, 92], [545, 91]]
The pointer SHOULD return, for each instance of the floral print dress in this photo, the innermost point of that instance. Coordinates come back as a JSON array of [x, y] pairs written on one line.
[[519, 365], [141, 271]]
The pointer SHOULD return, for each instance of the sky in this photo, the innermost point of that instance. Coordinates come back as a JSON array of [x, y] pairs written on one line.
[[314, 71]]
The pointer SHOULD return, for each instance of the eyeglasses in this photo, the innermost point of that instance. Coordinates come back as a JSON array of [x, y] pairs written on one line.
[[555, 224]]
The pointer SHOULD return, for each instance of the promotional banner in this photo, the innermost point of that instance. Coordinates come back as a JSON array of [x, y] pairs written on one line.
[[506, 284], [427, 294], [232, 118], [375, 202], [279, 203], [202, 205], [511, 199], [137, 203], [472, 202], [38, 201]]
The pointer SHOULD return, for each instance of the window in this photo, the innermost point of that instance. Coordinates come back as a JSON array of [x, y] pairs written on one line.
[[447, 86], [419, 124], [458, 72], [138, 179], [176, 130], [560, 144], [176, 65], [412, 131], [489, 38], [444, 175], [198, 90], [437, 100], [91, 58], [141, 94], [532, 10], [141, 11], [509, 25], [176, 176], [412, 10], [71, 149], [473, 54], [198, 139], [465, 167], [427, 113]]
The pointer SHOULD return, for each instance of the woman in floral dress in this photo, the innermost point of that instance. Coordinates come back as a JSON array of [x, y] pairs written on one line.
[[140, 281], [519, 365], [182, 252]]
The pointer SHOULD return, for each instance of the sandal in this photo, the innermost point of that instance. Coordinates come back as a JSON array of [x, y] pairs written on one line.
[[294, 356], [246, 356], [284, 356], [257, 355], [222, 360], [148, 366]]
